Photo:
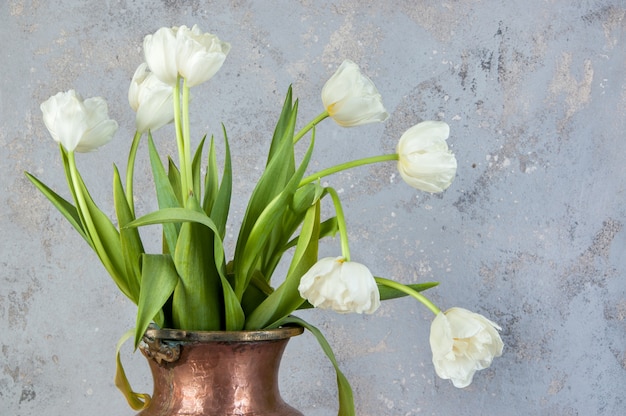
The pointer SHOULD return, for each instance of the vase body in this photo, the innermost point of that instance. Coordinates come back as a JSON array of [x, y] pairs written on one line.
[[216, 373]]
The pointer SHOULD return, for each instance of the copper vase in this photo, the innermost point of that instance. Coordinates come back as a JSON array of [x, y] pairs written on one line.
[[229, 373]]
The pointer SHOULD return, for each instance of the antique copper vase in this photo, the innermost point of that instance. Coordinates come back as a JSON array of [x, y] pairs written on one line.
[[222, 373]]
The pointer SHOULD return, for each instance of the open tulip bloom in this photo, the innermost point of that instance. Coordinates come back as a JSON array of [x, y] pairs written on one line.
[[192, 284]]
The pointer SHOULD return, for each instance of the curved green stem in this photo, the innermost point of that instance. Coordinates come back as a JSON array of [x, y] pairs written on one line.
[[414, 293], [130, 169], [309, 126], [346, 166], [341, 223]]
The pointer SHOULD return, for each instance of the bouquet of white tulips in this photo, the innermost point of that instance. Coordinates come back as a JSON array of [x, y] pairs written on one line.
[[193, 284]]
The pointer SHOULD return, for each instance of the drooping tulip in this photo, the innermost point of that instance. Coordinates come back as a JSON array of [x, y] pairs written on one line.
[[340, 285], [79, 125], [351, 98], [151, 99], [424, 160], [463, 342]]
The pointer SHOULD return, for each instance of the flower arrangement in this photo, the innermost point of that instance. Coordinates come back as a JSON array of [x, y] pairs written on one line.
[[192, 284]]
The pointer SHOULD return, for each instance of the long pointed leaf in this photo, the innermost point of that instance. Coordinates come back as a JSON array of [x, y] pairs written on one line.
[[388, 293], [211, 182], [63, 206], [196, 166], [287, 298], [184, 215], [137, 401], [197, 304], [158, 280], [130, 241], [106, 233], [266, 221], [166, 195], [346, 399], [221, 207]]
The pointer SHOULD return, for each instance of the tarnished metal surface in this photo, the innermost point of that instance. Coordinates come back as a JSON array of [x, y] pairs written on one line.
[[236, 375]]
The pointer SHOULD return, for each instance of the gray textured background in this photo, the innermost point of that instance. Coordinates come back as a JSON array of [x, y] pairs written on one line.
[[531, 233]]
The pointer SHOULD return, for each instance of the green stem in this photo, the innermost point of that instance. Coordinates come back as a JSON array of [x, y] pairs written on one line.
[[414, 293], [341, 223], [187, 168], [180, 142], [130, 169], [346, 166], [309, 126]]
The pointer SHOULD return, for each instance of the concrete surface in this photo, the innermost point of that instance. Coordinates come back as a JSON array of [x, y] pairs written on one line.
[[531, 233]]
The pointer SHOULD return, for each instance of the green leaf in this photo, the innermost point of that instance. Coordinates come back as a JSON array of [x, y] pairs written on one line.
[[196, 303], [106, 233], [387, 293], [132, 247], [137, 401], [346, 399], [196, 166], [287, 298], [304, 197], [221, 207], [267, 220], [185, 215], [158, 280], [166, 195], [274, 179], [284, 130], [173, 175], [68, 210], [211, 182]]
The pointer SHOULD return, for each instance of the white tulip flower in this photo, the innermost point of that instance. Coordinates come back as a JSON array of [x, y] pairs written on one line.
[[160, 54], [199, 55], [351, 98], [79, 125], [424, 160], [151, 99], [190, 53], [340, 285], [463, 342]]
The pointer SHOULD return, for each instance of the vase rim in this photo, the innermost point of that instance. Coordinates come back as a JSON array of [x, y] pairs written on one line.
[[224, 336]]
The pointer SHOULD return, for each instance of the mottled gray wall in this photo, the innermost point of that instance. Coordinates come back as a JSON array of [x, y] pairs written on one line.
[[531, 233]]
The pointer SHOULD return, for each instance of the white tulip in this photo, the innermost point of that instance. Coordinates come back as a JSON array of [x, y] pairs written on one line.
[[199, 55], [351, 98], [160, 54], [340, 285], [190, 53], [151, 99], [424, 160], [463, 342], [79, 125]]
